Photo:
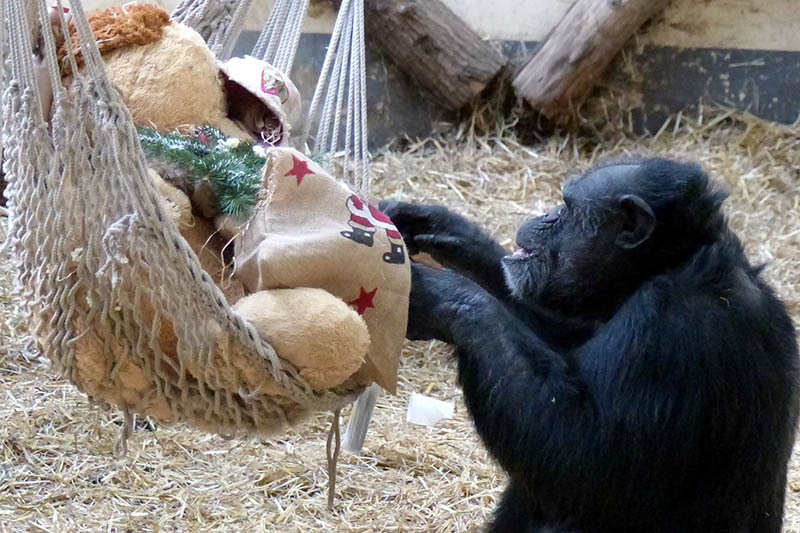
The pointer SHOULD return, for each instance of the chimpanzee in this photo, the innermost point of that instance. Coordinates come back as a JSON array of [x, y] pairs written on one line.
[[627, 366]]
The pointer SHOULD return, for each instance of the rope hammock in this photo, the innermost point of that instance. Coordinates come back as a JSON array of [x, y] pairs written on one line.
[[99, 283]]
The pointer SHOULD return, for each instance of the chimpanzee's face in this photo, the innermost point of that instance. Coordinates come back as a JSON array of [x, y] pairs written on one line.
[[570, 256]]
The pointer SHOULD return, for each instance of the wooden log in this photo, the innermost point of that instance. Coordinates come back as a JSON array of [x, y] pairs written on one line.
[[578, 50], [427, 41]]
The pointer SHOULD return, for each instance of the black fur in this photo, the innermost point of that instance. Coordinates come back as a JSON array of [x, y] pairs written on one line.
[[634, 374]]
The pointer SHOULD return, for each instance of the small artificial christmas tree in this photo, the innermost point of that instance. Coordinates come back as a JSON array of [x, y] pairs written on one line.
[[230, 167]]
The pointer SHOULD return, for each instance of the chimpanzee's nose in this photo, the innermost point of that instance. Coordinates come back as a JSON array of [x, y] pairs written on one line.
[[551, 216], [529, 232]]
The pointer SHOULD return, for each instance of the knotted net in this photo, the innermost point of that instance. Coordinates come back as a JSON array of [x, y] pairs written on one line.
[[117, 299]]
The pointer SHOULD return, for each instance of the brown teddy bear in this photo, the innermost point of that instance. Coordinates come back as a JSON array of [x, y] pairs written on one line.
[[169, 79], [330, 323]]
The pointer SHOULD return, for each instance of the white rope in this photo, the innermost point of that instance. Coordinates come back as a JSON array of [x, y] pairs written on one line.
[[348, 132], [329, 108], [234, 29], [342, 82], [344, 8], [354, 112], [267, 43], [341, 67], [278, 41], [293, 38], [62, 20], [360, 45], [56, 88], [219, 22], [22, 62], [5, 212], [2, 58]]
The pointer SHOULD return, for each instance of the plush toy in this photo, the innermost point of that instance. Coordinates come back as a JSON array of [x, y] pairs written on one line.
[[312, 329], [324, 338], [207, 128], [169, 78], [170, 82]]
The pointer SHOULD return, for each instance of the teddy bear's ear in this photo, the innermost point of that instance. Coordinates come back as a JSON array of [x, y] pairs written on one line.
[[117, 28], [261, 99]]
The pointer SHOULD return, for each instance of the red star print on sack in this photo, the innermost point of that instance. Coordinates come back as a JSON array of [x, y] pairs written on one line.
[[364, 300], [299, 169]]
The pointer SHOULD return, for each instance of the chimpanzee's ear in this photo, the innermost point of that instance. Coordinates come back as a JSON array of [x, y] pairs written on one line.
[[638, 221]]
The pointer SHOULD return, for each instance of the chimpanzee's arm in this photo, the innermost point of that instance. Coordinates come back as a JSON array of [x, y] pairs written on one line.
[[451, 240], [628, 405], [518, 390]]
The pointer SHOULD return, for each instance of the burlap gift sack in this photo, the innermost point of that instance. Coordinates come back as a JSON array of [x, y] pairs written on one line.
[[311, 230]]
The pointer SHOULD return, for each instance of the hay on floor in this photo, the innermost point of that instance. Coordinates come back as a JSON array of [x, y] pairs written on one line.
[[57, 471]]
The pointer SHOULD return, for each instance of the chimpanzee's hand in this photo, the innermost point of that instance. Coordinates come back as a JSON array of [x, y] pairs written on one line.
[[449, 238], [428, 296], [438, 299]]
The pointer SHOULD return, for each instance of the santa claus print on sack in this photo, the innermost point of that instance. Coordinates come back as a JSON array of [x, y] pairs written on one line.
[[365, 220]]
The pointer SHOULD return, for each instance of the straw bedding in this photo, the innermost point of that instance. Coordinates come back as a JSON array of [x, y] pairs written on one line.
[[57, 471]]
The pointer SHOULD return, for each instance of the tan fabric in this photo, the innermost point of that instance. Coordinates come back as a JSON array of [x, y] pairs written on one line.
[[313, 231]]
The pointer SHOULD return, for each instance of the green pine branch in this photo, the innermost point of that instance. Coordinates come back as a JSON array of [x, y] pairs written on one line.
[[234, 173]]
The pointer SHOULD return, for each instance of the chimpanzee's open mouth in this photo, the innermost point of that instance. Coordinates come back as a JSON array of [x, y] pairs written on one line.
[[250, 114], [522, 253], [266, 129]]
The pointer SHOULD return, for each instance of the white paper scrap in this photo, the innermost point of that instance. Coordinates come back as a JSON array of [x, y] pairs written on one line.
[[427, 411]]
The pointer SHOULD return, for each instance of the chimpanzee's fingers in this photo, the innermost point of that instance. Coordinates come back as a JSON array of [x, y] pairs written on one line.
[[433, 243], [425, 295], [404, 212], [400, 210], [411, 219], [387, 206]]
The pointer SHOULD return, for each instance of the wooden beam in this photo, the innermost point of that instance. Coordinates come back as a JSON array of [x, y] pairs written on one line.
[[437, 50], [569, 63]]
